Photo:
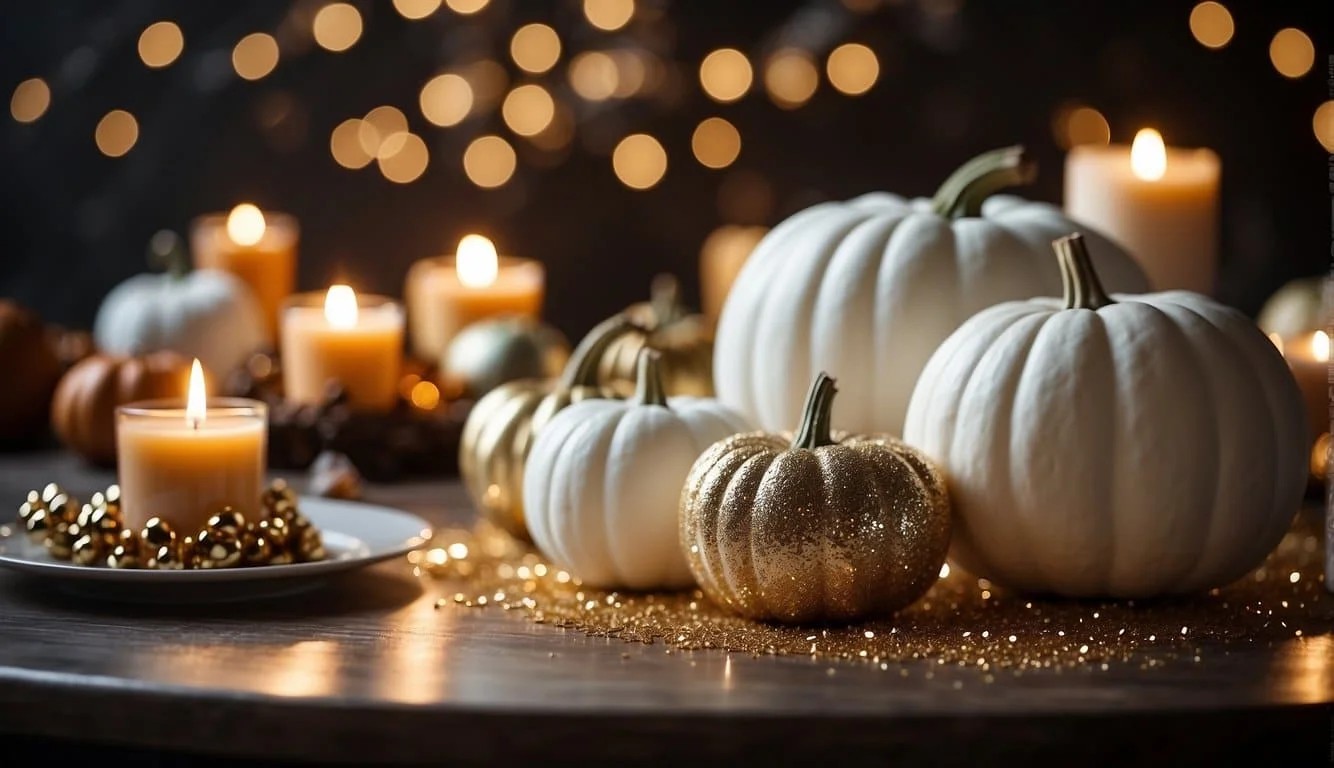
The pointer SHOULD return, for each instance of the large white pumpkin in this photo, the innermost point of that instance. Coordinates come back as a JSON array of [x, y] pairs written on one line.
[[205, 313], [1148, 445], [604, 479], [867, 289]]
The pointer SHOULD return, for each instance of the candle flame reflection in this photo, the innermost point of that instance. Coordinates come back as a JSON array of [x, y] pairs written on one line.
[[195, 408], [1277, 341], [1148, 155], [340, 306], [1320, 346], [476, 261], [246, 225]]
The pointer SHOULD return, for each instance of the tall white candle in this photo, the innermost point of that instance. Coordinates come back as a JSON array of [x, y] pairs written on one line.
[[1160, 202]]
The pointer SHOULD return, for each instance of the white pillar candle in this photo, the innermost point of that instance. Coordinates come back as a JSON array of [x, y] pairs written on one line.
[[1161, 203]]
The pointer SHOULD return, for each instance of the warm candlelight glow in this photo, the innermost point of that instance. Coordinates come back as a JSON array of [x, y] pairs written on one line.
[[245, 224], [1320, 346], [476, 261], [1148, 155], [195, 409], [1277, 341], [340, 306]]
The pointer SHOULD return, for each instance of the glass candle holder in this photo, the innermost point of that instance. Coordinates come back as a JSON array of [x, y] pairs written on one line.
[[340, 336], [183, 469], [440, 304], [259, 249]]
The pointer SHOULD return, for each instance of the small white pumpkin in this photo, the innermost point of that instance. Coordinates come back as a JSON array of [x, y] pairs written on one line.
[[205, 313], [867, 289], [604, 479], [1133, 447]]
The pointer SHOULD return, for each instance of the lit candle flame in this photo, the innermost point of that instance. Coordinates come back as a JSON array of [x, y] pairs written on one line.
[[476, 261], [1148, 155], [195, 408], [1277, 342], [1320, 346], [340, 306], [245, 224]]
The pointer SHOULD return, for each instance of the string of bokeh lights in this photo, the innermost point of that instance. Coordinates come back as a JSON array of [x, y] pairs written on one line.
[[541, 113]]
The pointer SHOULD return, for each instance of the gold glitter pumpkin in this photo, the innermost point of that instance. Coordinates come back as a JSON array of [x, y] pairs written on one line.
[[684, 341], [816, 528], [501, 427]]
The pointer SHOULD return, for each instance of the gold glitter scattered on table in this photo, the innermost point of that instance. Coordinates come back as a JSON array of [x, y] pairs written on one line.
[[962, 621]]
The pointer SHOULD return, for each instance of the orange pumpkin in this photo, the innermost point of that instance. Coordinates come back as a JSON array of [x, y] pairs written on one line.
[[84, 409], [31, 373]]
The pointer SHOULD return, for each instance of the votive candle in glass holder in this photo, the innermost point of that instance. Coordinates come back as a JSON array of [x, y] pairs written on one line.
[[186, 460], [259, 247], [339, 336]]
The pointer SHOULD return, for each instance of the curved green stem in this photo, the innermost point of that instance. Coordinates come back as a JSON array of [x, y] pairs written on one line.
[[166, 250], [816, 415], [1083, 289], [963, 192], [665, 299], [648, 379], [582, 368]]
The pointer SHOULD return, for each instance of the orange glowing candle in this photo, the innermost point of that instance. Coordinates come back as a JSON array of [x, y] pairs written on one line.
[[258, 247], [338, 336]]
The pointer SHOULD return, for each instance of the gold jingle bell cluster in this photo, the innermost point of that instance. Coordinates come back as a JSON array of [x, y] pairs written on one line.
[[94, 533]]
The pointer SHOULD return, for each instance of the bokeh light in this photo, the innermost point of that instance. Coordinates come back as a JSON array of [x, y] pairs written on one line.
[[337, 27], [466, 7], [593, 75], [383, 131], [425, 395], [1077, 124], [609, 15], [639, 161], [725, 75], [255, 56], [416, 9], [852, 68], [716, 143], [30, 101], [1323, 125], [345, 145], [489, 161], [1292, 52], [160, 44], [407, 162], [1211, 24], [791, 78], [446, 100], [116, 133], [535, 48], [631, 72], [488, 80], [528, 109]]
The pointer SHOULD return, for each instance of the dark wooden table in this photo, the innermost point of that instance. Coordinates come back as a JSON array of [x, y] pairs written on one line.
[[368, 669]]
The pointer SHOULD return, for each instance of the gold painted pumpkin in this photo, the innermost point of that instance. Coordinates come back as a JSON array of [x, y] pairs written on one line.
[[501, 427], [816, 528], [83, 411], [684, 341], [31, 372]]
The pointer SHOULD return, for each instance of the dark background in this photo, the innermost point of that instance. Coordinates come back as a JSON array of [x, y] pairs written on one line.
[[957, 77]]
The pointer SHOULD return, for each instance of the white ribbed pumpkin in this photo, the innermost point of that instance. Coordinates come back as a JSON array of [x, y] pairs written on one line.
[[867, 290], [604, 479], [1149, 445]]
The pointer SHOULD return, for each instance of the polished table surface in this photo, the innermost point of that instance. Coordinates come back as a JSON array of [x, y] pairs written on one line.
[[368, 668]]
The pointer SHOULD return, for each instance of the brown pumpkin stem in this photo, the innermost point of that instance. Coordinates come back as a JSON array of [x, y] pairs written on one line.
[[166, 250], [962, 193], [582, 368], [1083, 289], [816, 415], [648, 379], [665, 299]]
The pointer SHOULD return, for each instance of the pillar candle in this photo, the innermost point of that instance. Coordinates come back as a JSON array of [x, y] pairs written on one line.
[[1161, 203], [184, 461], [447, 293], [257, 247], [338, 336]]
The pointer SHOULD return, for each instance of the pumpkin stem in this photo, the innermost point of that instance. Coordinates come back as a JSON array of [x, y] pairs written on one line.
[[665, 299], [648, 380], [1083, 289], [816, 415], [166, 250], [582, 368], [963, 192]]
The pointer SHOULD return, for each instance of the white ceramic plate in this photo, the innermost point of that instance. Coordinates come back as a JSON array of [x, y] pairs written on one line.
[[355, 535]]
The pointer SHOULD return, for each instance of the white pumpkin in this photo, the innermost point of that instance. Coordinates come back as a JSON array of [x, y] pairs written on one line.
[[205, 313], [603, 482], [866, 290], [1148, 445]]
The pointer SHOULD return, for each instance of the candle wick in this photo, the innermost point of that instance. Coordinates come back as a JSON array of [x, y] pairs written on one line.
[[194, 424]]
